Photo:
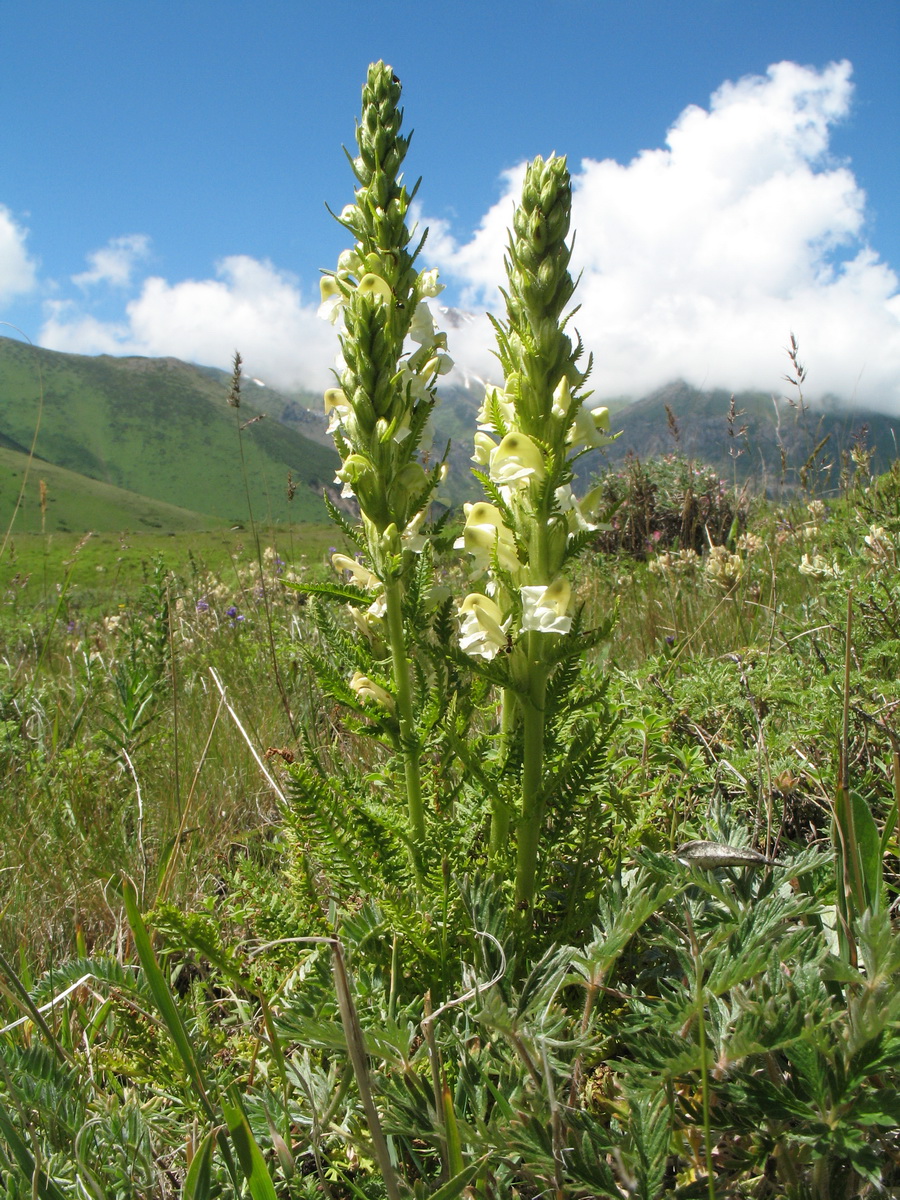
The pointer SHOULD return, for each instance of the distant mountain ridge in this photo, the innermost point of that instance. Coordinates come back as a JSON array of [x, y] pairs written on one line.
[[767, 441], [161, 432], [771, 439]]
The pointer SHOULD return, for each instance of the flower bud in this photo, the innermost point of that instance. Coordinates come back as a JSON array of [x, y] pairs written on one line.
[[389, 542], [562, 399], [407, 488]]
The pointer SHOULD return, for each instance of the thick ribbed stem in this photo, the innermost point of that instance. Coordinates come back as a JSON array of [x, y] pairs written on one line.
[[532, 812], [500, 815], [393, 596]]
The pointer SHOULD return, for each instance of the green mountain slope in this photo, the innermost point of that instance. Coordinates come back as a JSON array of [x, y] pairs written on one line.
[[76, 503], [163, 429]]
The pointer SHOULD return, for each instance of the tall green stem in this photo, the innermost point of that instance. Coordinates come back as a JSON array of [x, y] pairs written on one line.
[[387, 390], [533, 706], [500, 809], [393, 596], [535, 524], [532, 812]]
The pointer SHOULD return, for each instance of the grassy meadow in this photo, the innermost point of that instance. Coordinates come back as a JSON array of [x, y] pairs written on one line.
[[155, 690]]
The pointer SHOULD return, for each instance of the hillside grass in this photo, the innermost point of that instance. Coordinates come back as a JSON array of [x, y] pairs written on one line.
[[55, 500], [163, 429], [75, 613]]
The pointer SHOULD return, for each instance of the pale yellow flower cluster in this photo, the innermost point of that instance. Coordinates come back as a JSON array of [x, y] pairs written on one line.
[[515, 464], [880, 546], [818, 567], [674, 562], [750, 543], [723, 567]]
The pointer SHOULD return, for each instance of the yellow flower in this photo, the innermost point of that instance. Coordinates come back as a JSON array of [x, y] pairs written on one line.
[[360, 575], [486, 534], [374, 285], [367, 690], [516, 461], [591, 428]]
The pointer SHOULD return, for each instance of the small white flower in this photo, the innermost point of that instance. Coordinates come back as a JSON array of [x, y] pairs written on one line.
[[482, 628], [422, 328], [332, 299], [428, 283], [816, 509], [750, 543], [440, 364], [568, 504], [349, 263], [818, 567], [411, 382], [725, 568], [377, 608], [879, 543], [337, 408], [412, 537], [544, 608]]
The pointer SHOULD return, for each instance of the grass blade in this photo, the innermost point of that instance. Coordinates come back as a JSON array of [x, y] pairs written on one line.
[[45, 1188], [259, 1181], [162, 995], [198, 1181]]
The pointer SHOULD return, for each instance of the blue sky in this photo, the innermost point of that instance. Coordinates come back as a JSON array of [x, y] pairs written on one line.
[[164, 168]]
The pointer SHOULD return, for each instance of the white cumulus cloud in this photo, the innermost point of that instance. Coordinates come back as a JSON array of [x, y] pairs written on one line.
[[18, 274], [700, 258], [250, 306], [116, 262]]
